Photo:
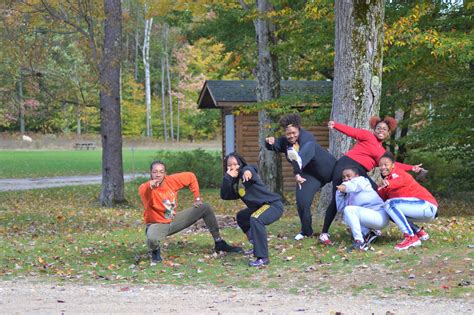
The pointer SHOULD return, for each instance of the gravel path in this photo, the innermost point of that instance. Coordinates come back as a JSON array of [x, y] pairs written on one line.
[[33, 297], [49, 182]]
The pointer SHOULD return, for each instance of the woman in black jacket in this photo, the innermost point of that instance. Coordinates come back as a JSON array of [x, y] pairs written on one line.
[[263, 206], [312, 166]]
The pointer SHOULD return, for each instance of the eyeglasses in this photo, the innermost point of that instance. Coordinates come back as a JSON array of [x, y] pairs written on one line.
[[381, 129]]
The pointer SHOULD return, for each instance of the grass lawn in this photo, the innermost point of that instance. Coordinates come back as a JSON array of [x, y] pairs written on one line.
[[23, 164], [63, 235]]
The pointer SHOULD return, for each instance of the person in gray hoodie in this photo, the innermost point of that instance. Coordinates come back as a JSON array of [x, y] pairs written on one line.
[[362, 208]]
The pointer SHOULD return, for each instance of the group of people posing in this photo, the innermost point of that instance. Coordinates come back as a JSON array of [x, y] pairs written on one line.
[[366, 207]]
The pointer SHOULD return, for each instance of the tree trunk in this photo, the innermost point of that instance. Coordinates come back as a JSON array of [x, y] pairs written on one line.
[[357, 71], [169, 83], [146, 64], [111, 129], [268, 87], [20, 103], [177, 131], [163, 108], [135, 57]]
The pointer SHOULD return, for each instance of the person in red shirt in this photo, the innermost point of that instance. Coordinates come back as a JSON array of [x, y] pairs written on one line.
[[405, 201], [364, 155], [160, 200]]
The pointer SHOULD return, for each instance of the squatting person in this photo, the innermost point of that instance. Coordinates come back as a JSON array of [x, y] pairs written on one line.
[[160, 200], [263, 206], [405, 201]]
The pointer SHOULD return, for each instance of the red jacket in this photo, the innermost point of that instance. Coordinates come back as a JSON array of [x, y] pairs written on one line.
[[403, 185], [161, 202], [368, 149]]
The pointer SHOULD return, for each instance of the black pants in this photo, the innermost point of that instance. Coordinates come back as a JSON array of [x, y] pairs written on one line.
[[341, 164], [254, 220], [304, 199]]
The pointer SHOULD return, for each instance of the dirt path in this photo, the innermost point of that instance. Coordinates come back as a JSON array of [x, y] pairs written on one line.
[[30, 296], [49, 182]]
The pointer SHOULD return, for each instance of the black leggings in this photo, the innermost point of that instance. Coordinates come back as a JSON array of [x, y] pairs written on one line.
[[341, 164]]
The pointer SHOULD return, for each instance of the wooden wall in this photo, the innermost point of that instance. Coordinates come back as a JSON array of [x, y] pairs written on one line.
[[246, 143]]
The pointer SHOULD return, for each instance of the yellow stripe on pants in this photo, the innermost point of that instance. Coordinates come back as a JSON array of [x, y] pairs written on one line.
[[260, 210]]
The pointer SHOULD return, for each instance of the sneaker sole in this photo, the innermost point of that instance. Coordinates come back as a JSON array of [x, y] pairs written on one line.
[[371, 240], [259, 266], [424, 238], [417, 243]]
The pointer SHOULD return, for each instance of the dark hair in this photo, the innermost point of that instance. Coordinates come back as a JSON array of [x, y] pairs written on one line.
[[388, 155], [352, 168], [293, 120], [389, 121], [240, 160], [157, 162]]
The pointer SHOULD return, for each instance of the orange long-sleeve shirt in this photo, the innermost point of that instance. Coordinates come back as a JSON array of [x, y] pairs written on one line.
[[161, 202]]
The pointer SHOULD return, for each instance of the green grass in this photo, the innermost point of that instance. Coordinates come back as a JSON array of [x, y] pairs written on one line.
[[24, 164], [62, 234]]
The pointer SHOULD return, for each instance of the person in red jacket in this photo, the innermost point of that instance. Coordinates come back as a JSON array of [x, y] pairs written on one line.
[[405, 200], [364, 155], [160, 200]]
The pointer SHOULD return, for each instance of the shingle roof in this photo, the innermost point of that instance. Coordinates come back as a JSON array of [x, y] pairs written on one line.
[[243, 91]]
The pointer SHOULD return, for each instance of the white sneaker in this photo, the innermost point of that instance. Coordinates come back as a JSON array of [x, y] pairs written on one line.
[[324, 238], [299, 237]]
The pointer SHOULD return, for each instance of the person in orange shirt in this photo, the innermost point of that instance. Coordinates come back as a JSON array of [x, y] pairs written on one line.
[[160, 200]]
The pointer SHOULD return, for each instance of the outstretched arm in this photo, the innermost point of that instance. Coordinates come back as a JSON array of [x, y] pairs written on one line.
[[355, 133], [275, 144]]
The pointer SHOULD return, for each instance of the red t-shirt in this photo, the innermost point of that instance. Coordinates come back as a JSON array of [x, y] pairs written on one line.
[[368, 149], [403, 185], [161, 202]]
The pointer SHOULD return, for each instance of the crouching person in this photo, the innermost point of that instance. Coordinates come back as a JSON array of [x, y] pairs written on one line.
[[160, 200], [263, 206], [363, 209], [405, 201]]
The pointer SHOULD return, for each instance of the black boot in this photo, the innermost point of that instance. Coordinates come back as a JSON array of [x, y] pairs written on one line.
[[222, 246], [155, 257]]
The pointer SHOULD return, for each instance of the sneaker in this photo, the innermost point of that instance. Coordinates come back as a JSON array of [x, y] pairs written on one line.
[[358, 246], [324, 238], [299, 237], [259, 262], [222, 246], [155, 257], [422, 235], [370, 237], [409, 241]]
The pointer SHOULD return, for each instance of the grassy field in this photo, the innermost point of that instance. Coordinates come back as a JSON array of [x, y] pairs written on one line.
[[23, 164], [63, 235]]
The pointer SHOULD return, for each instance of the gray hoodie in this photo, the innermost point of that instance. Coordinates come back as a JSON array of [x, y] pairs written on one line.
[[359, 192]]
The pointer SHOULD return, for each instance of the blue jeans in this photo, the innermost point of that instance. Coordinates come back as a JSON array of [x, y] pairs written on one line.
[[402, 210]]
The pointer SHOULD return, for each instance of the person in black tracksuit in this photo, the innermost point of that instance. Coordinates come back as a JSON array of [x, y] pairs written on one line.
[[312, 166], [263, 206]]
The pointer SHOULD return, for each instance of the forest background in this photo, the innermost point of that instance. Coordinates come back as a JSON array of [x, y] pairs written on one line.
[[49, 84]]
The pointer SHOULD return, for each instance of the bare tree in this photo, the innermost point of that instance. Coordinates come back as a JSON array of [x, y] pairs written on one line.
[[170, 96], [146, 65], [20, 102], [163, 108], [357, 70]]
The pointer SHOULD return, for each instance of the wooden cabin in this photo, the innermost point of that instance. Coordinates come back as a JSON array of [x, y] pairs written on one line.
[[240, 132]]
